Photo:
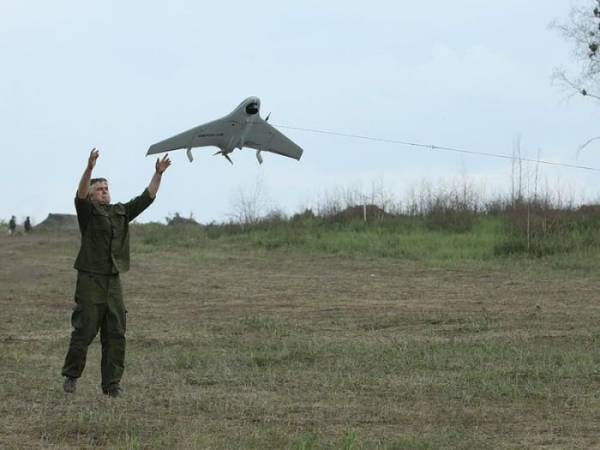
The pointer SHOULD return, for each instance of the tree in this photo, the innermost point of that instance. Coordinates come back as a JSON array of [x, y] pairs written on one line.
[[250, 204], [582, 30]]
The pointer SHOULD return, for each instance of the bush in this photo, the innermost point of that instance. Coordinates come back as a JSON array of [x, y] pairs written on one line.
[[538, 228], [453, 218]]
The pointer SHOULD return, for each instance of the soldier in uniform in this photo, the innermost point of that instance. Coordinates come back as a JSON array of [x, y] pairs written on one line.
[[27, 225], [12, 225], [103, 255]]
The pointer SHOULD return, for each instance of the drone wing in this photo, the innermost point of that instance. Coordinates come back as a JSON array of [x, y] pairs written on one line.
[[265, 137], [213, 133]]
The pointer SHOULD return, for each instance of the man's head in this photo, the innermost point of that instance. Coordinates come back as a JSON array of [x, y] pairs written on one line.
[[99, 191]]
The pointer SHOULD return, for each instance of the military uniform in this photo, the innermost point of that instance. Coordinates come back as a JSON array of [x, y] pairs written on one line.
[[103, 255]]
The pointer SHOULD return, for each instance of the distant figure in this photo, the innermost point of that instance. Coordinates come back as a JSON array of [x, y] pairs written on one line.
[[12, 225], [27, 225], [103, 256]]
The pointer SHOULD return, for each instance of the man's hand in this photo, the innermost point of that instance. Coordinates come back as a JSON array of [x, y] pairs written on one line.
[[84, 183], [94, 154], [162, 164]]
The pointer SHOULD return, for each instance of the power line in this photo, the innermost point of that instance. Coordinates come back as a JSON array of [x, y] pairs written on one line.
[[439, 148]]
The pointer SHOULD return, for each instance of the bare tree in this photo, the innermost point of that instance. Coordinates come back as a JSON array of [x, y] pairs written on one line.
[[381, 196], [582, 30], [249, 204], [516, 178]]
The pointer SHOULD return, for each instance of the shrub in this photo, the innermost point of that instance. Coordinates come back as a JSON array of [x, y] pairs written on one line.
[[455, 218], [539, 228]]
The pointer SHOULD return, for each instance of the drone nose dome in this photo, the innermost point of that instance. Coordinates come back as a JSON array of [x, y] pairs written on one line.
[[252, 108]]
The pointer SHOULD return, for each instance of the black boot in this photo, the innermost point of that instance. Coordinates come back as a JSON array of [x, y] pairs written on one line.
[[70, 385], [113, 390]]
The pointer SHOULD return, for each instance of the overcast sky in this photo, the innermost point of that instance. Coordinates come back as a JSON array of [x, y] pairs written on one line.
[[120, 76]]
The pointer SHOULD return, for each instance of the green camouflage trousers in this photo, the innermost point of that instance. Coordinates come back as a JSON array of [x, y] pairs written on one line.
[[98, 306]]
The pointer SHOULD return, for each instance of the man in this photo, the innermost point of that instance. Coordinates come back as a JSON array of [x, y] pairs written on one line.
[[27, 225], [12, 225], [103, 255]]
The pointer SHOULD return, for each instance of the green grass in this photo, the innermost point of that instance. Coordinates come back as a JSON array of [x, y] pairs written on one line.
[[331, 339], [405, 238]]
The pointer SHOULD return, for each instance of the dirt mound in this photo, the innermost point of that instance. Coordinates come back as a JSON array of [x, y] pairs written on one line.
[[592, 210], [358, 212], [59, 222], [179, 220]]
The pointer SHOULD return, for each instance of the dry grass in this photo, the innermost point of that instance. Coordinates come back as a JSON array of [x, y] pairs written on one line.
[[232, 346]]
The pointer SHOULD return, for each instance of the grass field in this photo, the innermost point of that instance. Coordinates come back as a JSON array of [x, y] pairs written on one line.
[[249, 342]]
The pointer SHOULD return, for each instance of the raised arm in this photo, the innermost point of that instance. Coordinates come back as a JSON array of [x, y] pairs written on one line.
[[84, 183], [161, 165]]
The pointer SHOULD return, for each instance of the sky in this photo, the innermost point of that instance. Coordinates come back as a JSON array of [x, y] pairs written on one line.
[[120, 76]]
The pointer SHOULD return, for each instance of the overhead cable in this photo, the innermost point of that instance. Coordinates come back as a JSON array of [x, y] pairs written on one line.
[[440, 148]]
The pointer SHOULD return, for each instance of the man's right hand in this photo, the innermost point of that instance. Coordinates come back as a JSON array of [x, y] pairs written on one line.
[[94, 154]]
